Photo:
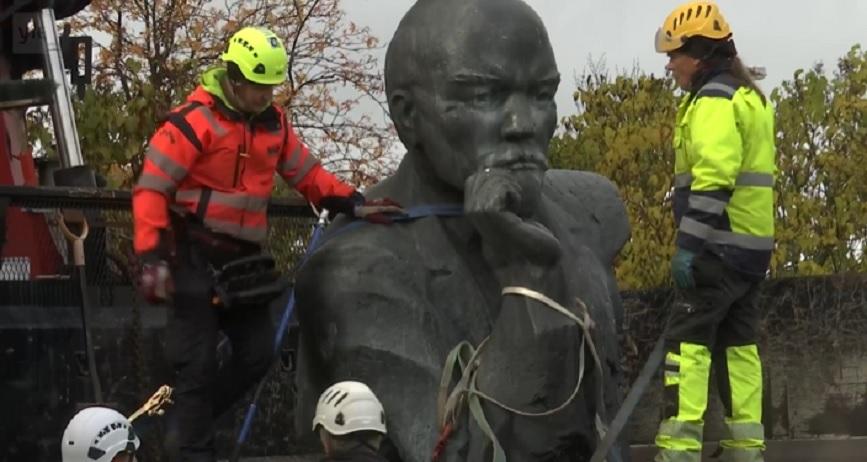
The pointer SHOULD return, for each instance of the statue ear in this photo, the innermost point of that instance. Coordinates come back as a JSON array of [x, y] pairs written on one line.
[[402, 107]]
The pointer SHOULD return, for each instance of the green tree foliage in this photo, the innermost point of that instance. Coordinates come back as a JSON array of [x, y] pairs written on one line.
[[112, 127], [623, 131], [822, 179]]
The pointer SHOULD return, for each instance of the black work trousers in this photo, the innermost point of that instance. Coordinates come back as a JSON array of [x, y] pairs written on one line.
[[721, 308], [204, 391], [719, 312], [714, 324]]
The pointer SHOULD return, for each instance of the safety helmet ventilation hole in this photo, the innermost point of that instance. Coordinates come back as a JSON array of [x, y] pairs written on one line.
[[688, 13], [699, 18]]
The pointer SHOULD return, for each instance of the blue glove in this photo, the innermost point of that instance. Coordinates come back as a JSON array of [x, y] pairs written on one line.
[[681, 269]]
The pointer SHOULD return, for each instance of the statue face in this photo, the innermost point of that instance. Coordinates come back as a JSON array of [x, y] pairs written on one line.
[[488, 100]]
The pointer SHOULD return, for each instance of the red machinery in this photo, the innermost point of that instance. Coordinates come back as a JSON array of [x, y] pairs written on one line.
[[28, 251]]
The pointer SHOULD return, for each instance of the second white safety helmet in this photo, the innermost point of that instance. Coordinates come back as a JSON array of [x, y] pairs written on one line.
[[348, 407], [97, 434]]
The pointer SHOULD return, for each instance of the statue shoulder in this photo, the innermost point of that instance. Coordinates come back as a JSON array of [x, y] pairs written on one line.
[[358, 247], [594, 195], [356, 261]]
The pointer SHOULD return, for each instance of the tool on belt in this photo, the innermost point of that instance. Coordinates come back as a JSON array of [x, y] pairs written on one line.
[[248, 281]]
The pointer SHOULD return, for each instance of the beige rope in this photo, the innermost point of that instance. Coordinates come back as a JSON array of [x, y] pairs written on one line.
[[586, 323], [466, 358]]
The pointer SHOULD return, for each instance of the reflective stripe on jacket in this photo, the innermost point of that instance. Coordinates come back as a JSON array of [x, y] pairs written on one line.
[[724, 174]]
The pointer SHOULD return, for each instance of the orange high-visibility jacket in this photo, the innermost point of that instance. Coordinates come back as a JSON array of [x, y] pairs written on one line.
[[219, 165]]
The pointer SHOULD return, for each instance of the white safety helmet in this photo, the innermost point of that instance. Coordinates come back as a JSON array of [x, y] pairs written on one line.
[[97, 434], [348, 407]]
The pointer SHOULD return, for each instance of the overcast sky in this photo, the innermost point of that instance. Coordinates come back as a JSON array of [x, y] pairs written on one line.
[[781, 35]]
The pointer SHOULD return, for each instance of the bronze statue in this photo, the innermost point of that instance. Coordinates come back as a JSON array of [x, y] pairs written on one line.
[[470, 86]]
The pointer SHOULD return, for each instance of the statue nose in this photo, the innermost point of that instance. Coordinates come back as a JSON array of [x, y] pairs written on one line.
[[518, 122]]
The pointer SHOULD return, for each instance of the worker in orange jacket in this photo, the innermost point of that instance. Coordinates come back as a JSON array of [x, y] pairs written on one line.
[[214, 160]]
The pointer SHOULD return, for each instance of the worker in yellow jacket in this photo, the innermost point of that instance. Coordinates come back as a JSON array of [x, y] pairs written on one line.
[[724, 211]]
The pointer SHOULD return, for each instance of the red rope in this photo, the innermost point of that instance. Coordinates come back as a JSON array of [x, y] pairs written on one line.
[[441, 442]]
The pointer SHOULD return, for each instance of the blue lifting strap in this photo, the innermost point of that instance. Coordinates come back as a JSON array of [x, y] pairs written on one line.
[[411, 214], [427, 210]]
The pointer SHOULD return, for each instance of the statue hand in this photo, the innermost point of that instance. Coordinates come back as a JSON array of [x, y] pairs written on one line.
[[491, 199]]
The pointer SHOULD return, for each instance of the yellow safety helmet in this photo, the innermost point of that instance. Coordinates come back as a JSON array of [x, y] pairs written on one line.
[[259, 54], [694, 19]]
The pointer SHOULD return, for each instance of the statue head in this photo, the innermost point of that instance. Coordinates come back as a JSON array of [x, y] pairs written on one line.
[[471, 85]]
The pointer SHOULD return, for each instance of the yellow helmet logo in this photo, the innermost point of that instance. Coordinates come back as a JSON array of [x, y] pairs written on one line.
[[693, 19]]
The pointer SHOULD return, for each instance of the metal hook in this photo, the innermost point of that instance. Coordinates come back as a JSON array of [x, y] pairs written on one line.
[[322, 216]]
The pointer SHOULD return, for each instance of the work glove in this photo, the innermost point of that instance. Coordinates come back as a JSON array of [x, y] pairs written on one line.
[[380, 211], [155, 279], [681, 269]]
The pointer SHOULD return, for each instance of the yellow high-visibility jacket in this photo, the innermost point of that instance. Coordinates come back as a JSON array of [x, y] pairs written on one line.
[[724, 174]]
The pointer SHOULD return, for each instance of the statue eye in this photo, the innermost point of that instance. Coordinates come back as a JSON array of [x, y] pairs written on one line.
[[545, 93], [483, 96]]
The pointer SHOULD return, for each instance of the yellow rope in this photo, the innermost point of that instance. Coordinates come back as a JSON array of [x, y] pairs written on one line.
[[155, 404]]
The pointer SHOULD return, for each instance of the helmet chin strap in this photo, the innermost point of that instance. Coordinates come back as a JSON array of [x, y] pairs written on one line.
[[360, 443], [368, 445], [230, 91]]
